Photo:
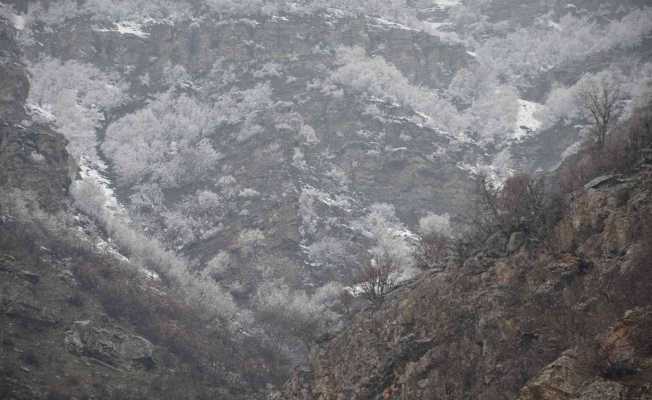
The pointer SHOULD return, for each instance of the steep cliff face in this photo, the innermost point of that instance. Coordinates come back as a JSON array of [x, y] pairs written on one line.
[[532, 325], [32, 157]]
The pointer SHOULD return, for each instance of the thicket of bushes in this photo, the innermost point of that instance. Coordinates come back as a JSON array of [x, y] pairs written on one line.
[[533, 206]]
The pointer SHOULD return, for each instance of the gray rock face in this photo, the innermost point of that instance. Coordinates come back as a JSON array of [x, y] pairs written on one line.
[[600, 181], [31, 313], [31, 158], [14, 84]]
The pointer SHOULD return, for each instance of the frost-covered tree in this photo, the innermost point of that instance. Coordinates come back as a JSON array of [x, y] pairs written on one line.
[[250, 240], [521, 55], [381, 79], [77, 95], [329, 252], [392, 242], [295, 313], [618, 90], [434, 224], [166, 142], [435, 241]]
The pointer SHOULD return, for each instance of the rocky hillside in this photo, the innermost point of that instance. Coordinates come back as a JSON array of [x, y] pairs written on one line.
[[78, 320], [568, 320], [303, 118], [190, 189]]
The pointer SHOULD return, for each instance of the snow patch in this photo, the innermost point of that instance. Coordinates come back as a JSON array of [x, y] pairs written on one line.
[[525, 121], [572, 149], [127, 28], [19, 22], [447, 3], [554, 25], [383, 23], [94, 172]]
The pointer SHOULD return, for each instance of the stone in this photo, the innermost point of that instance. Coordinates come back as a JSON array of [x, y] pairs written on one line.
[[30, 277], [516, 241], [601, 181], [625, 345], [31, 313], [108, 345], [496, 244], [603, 390], [560, 380]]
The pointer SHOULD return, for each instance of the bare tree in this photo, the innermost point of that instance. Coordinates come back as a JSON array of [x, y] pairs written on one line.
[[377, 278], [601, 100]]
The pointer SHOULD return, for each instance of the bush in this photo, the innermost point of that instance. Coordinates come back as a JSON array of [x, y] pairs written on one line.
[[521, 204], [377, 278], [433, 251], [621, 152]]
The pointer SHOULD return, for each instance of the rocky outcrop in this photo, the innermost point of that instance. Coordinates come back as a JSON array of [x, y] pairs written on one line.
[[522, 326], [614, 367], [32, 157], [35, 159], [14, 84], [109, 345]]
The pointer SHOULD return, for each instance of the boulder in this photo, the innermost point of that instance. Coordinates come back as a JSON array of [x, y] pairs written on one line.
[[603, 390], [516, 241], [30, 277], [626, 346], [560, 380], [496, 245], [601, 181], [109, 345], [31, 313]]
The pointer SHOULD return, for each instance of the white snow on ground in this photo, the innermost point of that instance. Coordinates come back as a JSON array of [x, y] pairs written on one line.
[[19, 22], [572, 149], [94, 172], [127, 28], [496, 173], [446, 3], [554, 25], [434, 26], [381, 22], [525, 119]]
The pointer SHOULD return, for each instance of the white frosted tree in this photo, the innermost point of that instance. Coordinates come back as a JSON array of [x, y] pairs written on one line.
[[77, 95]]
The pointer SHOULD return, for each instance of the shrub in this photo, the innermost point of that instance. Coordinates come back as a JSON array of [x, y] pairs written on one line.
[[521, 204], [621, 152], [433, 251], [377, 278]]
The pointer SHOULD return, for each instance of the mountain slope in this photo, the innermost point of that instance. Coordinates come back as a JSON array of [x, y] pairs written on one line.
[[538, 324], [78, 319]]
